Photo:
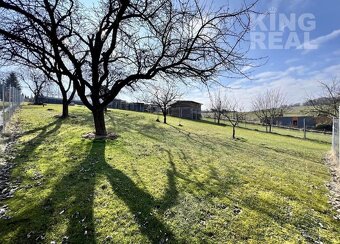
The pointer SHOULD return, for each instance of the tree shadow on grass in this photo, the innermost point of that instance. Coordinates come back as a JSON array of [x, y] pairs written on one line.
[[70, 204], [140, 203], [29, 147], [26, 152]]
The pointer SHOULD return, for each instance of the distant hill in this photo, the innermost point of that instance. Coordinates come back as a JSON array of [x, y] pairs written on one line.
[[318, 101], [297, 110]]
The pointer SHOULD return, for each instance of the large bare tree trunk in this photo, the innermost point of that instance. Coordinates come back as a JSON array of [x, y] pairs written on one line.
[[36, 99], [234, 132], [66, 102], [164, 117], [271, 124], [65, 113], [66, 99], [99, 122]]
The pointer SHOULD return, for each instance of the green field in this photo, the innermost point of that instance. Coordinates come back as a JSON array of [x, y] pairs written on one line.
[[291, 111], [164, 183]]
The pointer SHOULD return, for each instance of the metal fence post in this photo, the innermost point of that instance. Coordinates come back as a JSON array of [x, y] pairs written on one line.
[[11, 100], [3, 107], [9, 104], [338, 141], [304, 129], [15, 98], [333, 135], [14, 94]]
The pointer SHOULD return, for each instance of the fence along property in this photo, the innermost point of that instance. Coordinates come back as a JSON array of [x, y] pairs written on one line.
[[303, 133], [335, 140], [10, 100]]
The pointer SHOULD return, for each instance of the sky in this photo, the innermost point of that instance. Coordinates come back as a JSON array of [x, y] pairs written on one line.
[[295, 69], [297, 53]]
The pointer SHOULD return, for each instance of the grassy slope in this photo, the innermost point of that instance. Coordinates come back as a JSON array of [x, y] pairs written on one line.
[[164, 182], [299, 111]]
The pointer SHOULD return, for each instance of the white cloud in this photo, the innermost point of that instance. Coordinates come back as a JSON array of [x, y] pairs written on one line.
[[297, 88], [317, 42], [292, 60], [297, 82]]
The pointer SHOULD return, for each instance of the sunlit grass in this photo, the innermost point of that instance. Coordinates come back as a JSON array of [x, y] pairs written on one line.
[[159, 183]]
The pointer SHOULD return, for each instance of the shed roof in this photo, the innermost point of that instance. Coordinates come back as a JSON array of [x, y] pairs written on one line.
[[186, 101], [297, 116]]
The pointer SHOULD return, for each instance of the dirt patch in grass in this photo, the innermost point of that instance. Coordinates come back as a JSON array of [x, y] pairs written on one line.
[[93, 136], [7, 186]]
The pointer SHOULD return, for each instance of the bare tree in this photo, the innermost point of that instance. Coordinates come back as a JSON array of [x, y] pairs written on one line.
[[123, 42], [37, 83], [329, 101], [162, 95], [277, 105], [66, 89], [234, 113], [269, 106], [13, 52], [261, 110], [218, 104]]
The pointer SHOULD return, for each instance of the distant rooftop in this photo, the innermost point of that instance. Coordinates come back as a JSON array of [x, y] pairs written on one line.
[[179, 101]]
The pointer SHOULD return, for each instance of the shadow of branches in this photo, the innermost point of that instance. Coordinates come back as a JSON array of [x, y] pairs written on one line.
[[72, 197]]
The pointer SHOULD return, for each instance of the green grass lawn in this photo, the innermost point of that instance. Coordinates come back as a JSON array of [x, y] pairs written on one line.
[[158, 183]]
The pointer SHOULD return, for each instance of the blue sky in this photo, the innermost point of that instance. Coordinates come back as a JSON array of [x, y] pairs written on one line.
[[295, 71]]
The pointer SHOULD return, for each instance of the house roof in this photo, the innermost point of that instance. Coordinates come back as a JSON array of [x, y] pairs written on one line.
[[186, 101], [297, 116]]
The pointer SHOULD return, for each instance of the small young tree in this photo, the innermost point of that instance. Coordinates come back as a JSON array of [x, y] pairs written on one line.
[[260, 108], [67, 92], [234, 113], [162, 95], [17, 55], [217, 105], [268, 106], [329, 101], [37, 83], [277, 105]]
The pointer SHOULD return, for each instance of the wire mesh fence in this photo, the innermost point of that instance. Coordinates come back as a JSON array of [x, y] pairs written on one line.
[[305, 132], [10, 100], [335, 140]]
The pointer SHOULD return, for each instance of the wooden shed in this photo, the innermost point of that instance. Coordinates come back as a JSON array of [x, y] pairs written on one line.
[[186, 109], [296, 121]]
